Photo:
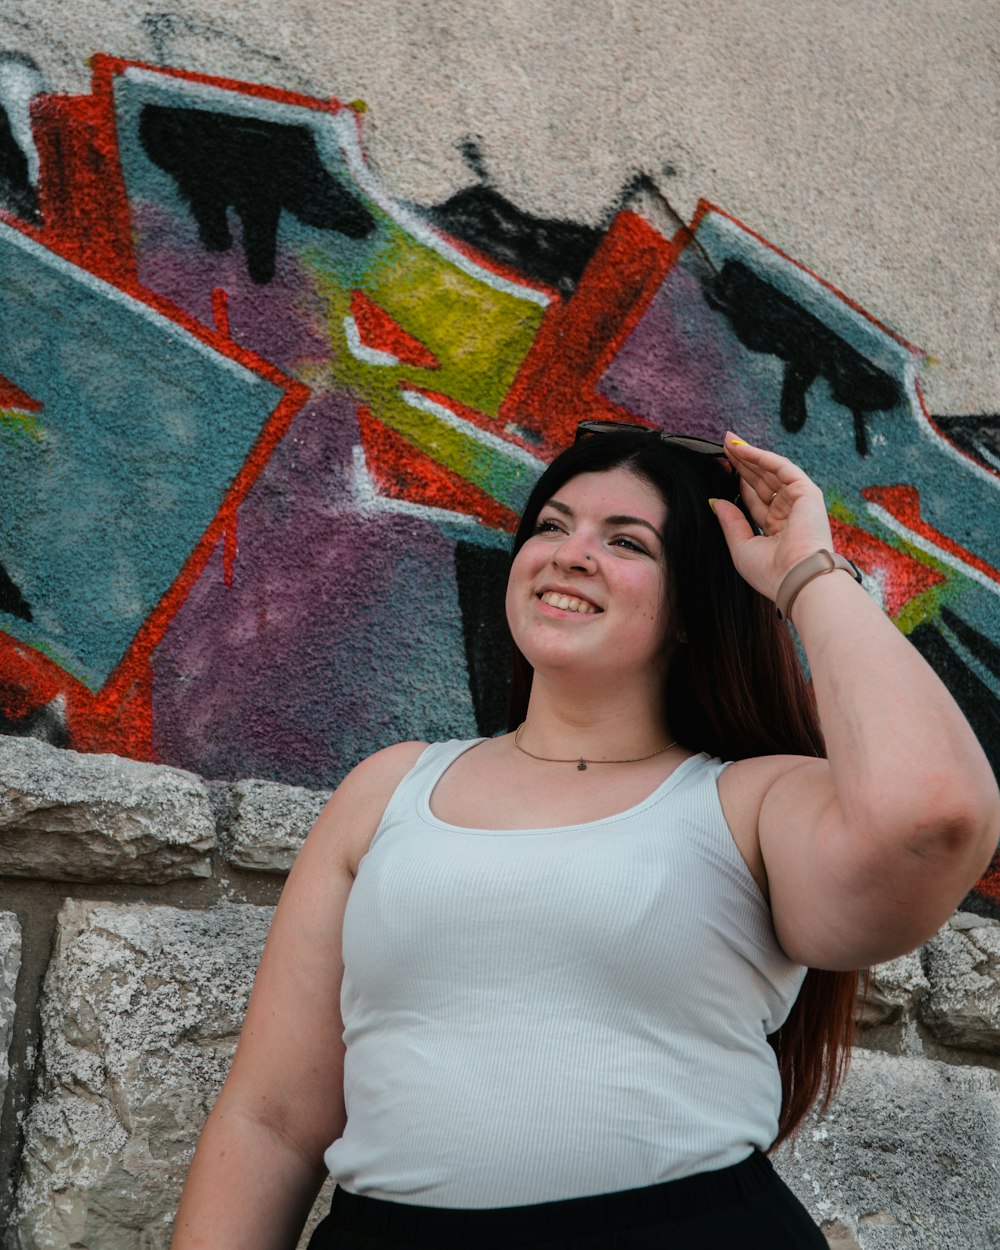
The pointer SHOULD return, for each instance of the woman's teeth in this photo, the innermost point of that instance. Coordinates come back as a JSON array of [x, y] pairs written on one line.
[[567, 603]]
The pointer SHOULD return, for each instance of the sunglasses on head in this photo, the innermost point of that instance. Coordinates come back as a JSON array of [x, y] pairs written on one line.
[[702, 446]]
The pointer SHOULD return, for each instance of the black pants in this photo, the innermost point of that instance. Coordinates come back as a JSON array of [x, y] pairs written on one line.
[[746, 1207]]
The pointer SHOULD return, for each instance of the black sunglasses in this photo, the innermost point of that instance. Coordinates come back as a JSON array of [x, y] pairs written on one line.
[[703, 446]]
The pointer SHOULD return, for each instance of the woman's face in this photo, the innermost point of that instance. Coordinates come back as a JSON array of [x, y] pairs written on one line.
[[588, 588]]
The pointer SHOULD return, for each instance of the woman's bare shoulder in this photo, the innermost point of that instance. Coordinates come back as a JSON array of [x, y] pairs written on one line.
[[384, 769], [754, 776], [743, 789], [355, 808]]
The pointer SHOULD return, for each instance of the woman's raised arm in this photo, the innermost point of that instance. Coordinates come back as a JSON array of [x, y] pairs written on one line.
[[868, 852], [259, 1162]]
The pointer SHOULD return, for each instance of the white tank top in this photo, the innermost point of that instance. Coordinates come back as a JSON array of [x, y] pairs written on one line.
[[538, 1014]]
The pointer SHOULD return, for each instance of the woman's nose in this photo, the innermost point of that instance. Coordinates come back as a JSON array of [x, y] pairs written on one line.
[[575, 551]]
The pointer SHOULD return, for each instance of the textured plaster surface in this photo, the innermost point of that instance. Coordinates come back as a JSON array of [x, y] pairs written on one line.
[[860, 137], [292, 551]]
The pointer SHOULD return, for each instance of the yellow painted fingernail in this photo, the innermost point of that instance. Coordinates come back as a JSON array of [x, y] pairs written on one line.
[[711, 504], [738, 442]]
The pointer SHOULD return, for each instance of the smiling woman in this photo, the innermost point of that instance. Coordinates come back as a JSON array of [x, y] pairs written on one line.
[[510, 1002], [596, 552]]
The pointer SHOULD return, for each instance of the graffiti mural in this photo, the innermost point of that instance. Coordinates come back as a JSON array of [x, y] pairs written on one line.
[[265, 428]]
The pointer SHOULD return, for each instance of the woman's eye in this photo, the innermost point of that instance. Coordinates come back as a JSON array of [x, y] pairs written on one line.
[[630, 544], [547, 527]]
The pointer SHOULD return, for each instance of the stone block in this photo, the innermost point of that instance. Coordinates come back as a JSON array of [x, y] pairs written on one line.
[[889, 1010], [894, 990], [141, 1009], [269, 824], [10, 966], [71, 817], [962, 962], [908, 1157]]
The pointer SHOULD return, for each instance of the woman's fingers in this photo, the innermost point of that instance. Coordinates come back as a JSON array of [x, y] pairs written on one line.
[[764, 471], [784, 504], [734, 525], [771, 485], [761, 484]]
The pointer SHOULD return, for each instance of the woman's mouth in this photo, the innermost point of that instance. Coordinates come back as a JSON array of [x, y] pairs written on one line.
[[568, 603]]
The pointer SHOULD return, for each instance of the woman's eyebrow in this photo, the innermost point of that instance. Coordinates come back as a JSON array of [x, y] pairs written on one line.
[[559, 506], [566, 510], [632, 520]]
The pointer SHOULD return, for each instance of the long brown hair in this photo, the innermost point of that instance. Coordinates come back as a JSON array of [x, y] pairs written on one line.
[[734, 688]]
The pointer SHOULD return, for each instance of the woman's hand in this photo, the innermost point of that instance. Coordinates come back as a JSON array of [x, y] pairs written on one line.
[[787, 507]]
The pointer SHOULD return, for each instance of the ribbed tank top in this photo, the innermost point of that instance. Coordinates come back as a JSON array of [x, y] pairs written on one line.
[[538, 1014]]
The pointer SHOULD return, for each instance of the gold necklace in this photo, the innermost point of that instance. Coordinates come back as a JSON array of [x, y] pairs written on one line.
[[580, 762]]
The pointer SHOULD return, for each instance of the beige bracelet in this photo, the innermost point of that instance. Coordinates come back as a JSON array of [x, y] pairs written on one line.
[[802, 574]]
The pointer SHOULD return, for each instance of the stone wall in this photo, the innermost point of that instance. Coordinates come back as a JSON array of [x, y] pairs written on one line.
[[135, 901]]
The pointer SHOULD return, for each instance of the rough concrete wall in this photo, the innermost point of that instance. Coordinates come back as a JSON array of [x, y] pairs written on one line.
[[129, 998]]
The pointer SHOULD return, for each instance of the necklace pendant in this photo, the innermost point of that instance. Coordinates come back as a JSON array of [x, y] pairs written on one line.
[[582, 766]]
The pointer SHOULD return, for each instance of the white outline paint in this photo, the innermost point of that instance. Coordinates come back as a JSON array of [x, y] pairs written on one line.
[[241, 103], [349, 142], [367, 498], [19, 85], [930, 548], [953, 453], [367, 355], [473, 432], [988, 455]]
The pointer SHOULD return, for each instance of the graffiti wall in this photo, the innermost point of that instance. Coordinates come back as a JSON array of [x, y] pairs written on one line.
[[265, 427]]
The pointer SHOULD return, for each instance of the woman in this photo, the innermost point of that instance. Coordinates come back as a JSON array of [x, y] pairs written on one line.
[[566, 947]]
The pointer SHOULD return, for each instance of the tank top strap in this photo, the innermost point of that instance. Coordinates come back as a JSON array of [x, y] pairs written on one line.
[[420, 781]]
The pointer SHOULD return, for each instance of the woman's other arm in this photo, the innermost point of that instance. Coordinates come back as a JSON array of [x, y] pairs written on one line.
[[868, 852], [259, 1161]]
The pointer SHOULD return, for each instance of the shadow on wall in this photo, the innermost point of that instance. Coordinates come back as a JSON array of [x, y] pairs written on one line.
[[265, 429]]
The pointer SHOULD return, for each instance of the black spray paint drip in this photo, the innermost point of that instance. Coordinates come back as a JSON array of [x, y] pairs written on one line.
[[11, 599], [550, 250], [255, 167], [545, 249], [16, 192], [977, 435], [765, 320]]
